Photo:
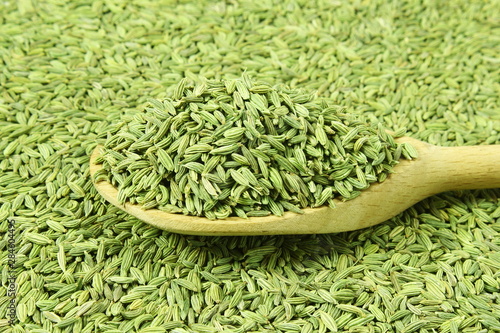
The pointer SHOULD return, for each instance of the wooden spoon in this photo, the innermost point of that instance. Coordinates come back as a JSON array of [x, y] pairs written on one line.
[[437, 169]]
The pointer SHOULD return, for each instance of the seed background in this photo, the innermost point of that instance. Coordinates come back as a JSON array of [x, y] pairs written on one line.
[[69, 70]]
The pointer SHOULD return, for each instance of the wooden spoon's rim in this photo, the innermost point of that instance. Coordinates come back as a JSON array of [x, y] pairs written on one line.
[[235, 226]]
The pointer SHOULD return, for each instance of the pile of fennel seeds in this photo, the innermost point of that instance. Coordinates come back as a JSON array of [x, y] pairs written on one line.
[[238, 148]]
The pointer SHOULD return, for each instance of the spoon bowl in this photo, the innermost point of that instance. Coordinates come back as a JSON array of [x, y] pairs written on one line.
[[437, 169]]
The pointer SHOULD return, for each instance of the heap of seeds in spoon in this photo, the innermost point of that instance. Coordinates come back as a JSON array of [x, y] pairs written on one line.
[[238, 148]]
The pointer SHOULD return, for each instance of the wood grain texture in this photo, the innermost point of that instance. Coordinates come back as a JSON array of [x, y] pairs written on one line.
[[437, 169]]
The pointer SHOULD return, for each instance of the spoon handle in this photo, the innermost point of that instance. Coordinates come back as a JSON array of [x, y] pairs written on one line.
[[463, 168]]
